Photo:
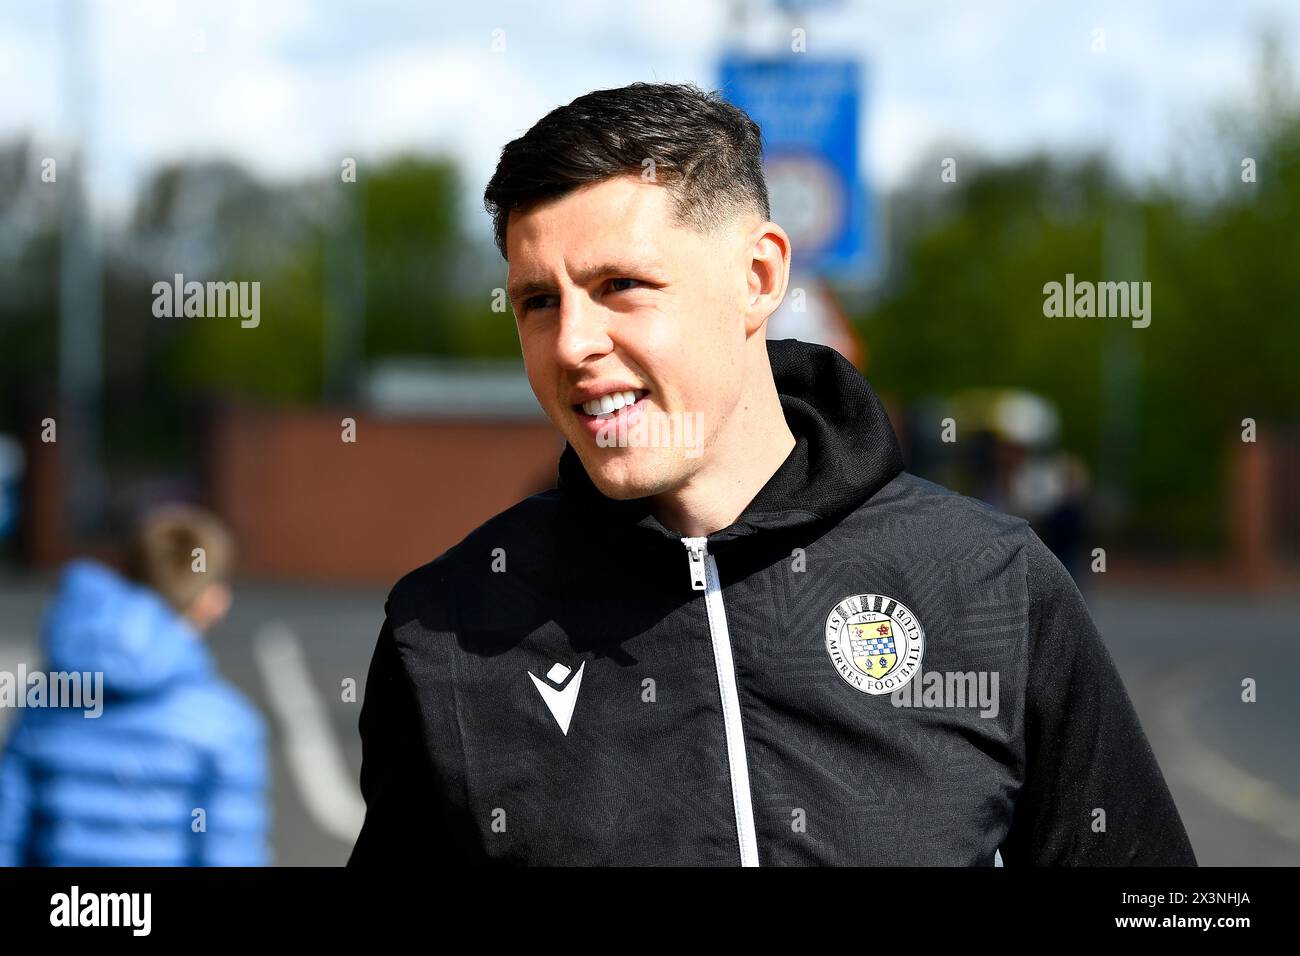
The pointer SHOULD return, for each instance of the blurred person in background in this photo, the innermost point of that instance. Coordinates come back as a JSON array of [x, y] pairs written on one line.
[[1049, 488], [174, 770]]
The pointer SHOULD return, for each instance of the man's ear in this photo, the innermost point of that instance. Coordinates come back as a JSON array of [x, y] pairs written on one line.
[[768, 272], [210, 606]]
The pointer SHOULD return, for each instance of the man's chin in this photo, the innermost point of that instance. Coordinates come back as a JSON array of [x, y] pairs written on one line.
[[624, 479], [623, 487]]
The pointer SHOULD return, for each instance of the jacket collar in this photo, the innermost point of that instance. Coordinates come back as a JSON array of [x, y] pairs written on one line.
[[845, 451]]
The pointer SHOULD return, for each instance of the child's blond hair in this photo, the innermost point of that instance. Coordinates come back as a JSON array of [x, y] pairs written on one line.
[[178, 550]]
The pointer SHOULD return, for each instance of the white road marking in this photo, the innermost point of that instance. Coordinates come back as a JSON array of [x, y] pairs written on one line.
[[316, 760], [1214, 776], [12, 653]]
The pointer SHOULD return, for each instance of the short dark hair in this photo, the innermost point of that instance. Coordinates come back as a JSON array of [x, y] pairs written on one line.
[[706, 151]]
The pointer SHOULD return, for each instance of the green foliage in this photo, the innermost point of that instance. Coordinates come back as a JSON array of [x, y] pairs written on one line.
[[277, 360], [411, 242], [379, 260], [963, 307]]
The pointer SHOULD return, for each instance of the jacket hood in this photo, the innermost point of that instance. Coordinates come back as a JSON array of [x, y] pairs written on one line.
[[100, 621], [845, 451]]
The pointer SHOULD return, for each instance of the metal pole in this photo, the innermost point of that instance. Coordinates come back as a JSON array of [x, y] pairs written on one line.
[[80, 277]]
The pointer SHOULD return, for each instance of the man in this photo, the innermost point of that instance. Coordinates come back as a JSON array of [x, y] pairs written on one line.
[[745, 635], [173, 770]]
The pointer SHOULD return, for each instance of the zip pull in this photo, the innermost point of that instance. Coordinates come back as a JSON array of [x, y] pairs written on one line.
[[697, 548]]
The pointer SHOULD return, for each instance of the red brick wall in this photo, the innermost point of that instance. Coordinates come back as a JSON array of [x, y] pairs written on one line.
[[304, 504]]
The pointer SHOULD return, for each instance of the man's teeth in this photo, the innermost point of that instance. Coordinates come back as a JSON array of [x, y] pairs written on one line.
[[607, 405]]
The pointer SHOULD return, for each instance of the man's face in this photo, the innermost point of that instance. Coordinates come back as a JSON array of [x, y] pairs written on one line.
[[611, 295]]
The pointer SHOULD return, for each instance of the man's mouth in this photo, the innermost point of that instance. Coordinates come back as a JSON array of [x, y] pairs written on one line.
[[608, 407]]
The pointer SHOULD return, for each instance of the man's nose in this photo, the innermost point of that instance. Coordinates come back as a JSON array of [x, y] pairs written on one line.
[[584, 331]]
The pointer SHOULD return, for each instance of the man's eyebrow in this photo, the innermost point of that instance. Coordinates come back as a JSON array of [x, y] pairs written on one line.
[[523, 289], [527, 287]]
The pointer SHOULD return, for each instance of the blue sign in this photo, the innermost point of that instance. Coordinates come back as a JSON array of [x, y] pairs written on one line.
[[808, 111]]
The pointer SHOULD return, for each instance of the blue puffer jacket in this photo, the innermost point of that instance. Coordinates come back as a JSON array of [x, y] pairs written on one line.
[[122, 789]]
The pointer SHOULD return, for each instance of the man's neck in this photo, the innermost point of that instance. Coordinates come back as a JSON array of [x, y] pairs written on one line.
[[742, 463]]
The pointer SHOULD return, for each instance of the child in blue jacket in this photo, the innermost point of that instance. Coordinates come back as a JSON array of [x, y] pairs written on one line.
[[173, 771]]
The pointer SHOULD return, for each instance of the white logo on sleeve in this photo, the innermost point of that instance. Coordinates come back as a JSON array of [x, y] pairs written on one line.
[[560, 700]]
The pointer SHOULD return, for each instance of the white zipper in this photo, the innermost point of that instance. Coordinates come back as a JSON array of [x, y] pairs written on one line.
[[704, 577]]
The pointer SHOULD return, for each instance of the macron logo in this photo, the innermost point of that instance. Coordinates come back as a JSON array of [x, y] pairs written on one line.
[[560, 700]]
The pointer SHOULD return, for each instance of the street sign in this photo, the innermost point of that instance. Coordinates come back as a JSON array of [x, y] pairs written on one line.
[[808, 111]]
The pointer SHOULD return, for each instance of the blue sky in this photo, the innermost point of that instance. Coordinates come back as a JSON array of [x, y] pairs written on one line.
[[289, 87]]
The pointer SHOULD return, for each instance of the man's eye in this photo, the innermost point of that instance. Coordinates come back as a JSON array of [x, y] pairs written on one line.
[[537, 302], [615, 284]]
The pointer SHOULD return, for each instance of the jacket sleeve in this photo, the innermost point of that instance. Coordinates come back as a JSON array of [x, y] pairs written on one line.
[[1084, 747], [407, 819], [237, 799], [15, 804]]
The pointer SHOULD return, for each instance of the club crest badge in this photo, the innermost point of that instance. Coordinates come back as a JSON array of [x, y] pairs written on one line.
[[875, 643]]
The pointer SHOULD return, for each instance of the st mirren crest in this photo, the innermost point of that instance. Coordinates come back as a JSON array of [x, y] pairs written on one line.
[[875, 643]]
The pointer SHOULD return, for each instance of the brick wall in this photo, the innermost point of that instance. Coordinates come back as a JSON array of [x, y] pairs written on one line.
[[306, 505]]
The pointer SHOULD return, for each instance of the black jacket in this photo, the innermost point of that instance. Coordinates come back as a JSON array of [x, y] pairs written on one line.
[[573, 683]]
